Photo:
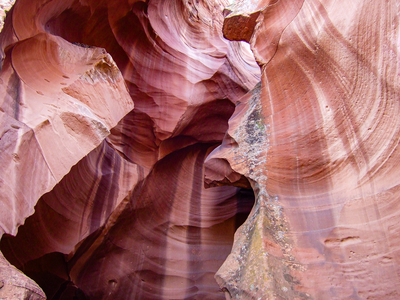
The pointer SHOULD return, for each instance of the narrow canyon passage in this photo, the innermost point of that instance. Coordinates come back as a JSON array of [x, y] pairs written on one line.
[[136, 136], [167, 242], [133, 218]]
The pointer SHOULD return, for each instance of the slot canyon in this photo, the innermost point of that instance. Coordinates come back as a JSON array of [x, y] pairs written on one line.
[[199, 149]]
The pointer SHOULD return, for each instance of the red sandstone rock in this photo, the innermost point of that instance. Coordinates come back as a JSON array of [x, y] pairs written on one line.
[[184, 93], [15, 285], [50, 122], [121, 209], [321, 150]]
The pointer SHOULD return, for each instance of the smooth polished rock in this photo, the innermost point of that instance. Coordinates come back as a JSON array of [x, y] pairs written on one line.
[[143, 201], [183, 91]]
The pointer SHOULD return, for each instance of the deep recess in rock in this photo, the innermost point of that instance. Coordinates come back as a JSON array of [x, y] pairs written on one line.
[[51, 271]]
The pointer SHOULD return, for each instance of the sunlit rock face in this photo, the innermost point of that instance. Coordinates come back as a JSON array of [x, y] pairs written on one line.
[[5, 6], [135, 136]]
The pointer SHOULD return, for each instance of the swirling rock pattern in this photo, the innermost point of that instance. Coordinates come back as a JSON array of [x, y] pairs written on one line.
[[127, 198], [147, 129], [323, 165]]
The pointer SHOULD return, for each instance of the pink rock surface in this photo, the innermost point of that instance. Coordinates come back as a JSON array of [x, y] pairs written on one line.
[[184, 93], [49, 121], [5, 6], [140, 151], [319, 141], [15, 285]]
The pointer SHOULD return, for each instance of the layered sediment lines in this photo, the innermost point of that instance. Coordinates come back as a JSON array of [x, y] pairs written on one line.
[[139, 134], [122, 103], [325, 152]]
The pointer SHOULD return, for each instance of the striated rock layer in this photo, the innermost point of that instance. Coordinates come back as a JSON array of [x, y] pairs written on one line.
[[319, 143], [121, 209], [135, 140]]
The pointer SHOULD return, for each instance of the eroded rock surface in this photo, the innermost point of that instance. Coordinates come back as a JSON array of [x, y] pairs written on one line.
[[137, 194], [323, 165], [15, 285], [5, 6], [144, 138]]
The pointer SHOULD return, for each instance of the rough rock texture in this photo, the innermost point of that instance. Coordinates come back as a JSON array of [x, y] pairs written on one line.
[[5, 6], [144, 138], [15, 285]]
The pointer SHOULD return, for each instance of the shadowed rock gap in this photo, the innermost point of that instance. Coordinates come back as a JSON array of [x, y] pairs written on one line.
[[43, 269]]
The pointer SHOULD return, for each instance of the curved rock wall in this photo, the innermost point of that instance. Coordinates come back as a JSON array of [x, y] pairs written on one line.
[[321, 153], [137, 130], [138, 192]]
